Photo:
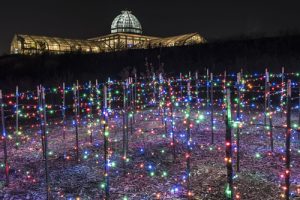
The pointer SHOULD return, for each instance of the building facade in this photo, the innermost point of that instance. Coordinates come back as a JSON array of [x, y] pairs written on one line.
[[126, 33]]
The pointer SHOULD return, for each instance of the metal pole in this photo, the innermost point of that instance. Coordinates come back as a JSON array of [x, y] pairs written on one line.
[[267, 109], [46, 142], [127, 114], [266, 95], [173, 144], [288, 142], [131, 107], [207, 90], [75, 90], [188, 155], [39, 110], [97, 98], [135, 96], [90, 115], [270, 118], [197, 88], [64, 114], [17, 113], [271, 133], [78, 99], [124, 129], [238, 117], [154, 88], [212, 107], [198, 101], [106, 135], [299, 114], [229, 188], [180, 81], [4, 141], [282, 91]]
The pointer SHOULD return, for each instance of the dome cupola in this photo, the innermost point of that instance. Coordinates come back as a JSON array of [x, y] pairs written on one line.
[[126, 23]]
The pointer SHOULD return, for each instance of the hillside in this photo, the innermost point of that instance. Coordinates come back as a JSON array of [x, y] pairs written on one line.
[[250, 54]]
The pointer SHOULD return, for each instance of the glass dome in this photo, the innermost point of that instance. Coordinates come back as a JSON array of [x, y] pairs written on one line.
[[126, 23]]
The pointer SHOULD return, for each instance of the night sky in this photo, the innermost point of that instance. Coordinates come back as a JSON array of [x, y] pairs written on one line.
[[214, 19]]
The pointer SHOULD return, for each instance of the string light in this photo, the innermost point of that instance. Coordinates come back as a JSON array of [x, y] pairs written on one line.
[[181, 103]]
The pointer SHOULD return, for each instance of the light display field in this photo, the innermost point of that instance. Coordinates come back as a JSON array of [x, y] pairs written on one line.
[[195, 136]]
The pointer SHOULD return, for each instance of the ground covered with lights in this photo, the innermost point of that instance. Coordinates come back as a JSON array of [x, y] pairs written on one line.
[[151, 172], [197, 137]]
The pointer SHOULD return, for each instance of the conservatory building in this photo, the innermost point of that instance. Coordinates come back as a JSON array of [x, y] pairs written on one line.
[[126, 33]]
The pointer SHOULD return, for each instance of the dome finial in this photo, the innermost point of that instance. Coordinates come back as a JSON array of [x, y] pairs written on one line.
[[126, 11]]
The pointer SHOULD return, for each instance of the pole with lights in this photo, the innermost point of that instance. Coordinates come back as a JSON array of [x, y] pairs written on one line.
[[17, 115], [106, 136], [212, 107], [288, 142], [76, 118], [45, 136], [238, 118], [4, 138], [228, 149]]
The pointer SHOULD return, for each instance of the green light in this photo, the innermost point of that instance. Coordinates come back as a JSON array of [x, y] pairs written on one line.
[[228, 191], [187, 115], [201, 117], [106, 133], [235, 124], [257, 155], [152, 173], [102, 185], [113, 164]]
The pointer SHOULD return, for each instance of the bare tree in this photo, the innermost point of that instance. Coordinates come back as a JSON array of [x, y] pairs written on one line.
[[124, 74]]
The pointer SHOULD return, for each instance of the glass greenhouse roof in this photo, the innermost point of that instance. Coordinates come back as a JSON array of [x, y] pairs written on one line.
[[126, 33]]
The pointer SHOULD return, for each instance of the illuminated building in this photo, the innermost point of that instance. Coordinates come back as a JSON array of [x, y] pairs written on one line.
[[126, 33]]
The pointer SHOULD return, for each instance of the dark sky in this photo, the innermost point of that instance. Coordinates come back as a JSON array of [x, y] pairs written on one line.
[[89, 18]]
